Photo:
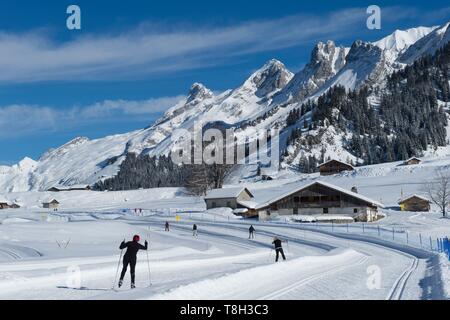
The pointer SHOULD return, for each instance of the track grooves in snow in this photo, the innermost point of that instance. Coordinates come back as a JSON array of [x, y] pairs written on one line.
[[280, 293], [400, 285], [260, 282]]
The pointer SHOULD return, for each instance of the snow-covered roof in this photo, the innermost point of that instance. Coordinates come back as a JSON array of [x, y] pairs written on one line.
[[75, 186], [331, 160], [412, 158], [227, 193], [51, 201], [247, 204], [325, 184], [413, 196], [9, 202]]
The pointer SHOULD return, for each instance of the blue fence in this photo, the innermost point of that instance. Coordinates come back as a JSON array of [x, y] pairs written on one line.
[[444, 246]]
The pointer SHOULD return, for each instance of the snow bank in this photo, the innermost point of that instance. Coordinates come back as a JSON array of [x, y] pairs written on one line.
[[321, 218], [14, 220], [222, 212], [260, 279]]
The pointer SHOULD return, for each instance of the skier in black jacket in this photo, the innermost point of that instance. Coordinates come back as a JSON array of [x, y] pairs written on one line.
[[278, 248], [194, 229], [130, 257], [251, 232]]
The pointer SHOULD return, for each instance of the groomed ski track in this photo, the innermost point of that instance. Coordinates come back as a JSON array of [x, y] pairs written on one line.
[[223, 264]]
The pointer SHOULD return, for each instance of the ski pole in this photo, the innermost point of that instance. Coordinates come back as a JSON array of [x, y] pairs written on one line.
[[148, 260], [149, 273], [118, 265]]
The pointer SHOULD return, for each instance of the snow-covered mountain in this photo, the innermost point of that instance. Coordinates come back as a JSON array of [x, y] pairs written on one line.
[[326, 61], [264, 99], [427, 44], [400, 40]]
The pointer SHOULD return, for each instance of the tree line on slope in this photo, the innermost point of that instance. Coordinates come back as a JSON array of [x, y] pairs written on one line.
[[407, 121]]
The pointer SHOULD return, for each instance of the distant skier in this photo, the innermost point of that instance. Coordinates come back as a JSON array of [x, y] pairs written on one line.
[[278, 248], [194, 229], [251, 232], [167, 226], [130, 258]]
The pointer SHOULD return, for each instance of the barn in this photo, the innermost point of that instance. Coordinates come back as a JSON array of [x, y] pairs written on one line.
[[53, 204], [78, 187], [412, 161], [415, 203], [233, 198], [321, 198], [333, 167], [4, 204]]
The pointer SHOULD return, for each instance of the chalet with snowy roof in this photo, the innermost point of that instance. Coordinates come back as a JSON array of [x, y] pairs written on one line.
[[321, 198], [415, 203], [234, 198], [6, 204], [333, 167], [53, 204], [78, 187], [412, 161]]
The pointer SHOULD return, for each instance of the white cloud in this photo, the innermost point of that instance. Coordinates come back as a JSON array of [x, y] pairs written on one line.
[[151, 49], [23, 120]]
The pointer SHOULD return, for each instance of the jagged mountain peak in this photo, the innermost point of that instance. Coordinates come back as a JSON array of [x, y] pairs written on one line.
[[198, 92], [326, 60], [400, 40], [362, 50], [271, 77], [322, 51]]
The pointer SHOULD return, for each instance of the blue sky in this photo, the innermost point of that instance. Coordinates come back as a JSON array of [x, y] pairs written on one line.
[[133, 59]]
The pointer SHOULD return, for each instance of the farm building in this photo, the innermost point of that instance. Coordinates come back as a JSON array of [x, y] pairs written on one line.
[[321, 198], [53, 204], [8, 205], [80, 187], [234, 198], [334, 166], [415, 203], [412, 161]]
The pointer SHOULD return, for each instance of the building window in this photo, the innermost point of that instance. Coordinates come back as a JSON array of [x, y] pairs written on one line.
[[325, 210], [213, 204], [355, 210], [296, 199], [229, 204]]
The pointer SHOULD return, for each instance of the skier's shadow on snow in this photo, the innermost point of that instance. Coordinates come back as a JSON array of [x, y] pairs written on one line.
[[83, 288]]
